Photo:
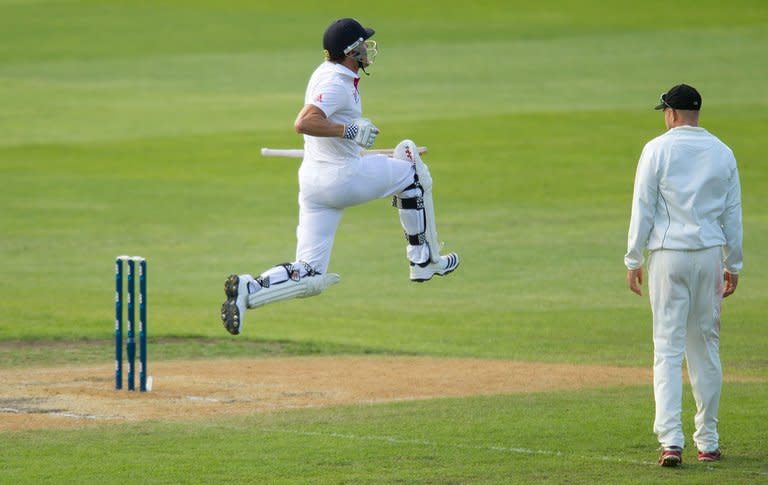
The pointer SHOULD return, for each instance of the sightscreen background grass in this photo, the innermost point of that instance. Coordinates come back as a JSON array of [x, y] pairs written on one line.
[[135, 127]]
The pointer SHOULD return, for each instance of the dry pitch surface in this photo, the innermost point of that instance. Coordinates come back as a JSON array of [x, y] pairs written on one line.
[[35, 398]]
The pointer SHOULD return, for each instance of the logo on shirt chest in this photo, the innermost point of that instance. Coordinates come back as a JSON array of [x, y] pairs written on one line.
[[356, 96]]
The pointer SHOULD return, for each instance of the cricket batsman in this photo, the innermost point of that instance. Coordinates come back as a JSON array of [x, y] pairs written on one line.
[[333, 176]]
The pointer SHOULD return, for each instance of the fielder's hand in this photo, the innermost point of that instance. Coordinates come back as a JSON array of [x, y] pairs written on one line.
[[362, 132], [635, 280], [731, 282]]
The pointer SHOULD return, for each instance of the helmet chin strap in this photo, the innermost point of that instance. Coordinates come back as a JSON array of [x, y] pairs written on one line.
[[362, 68]]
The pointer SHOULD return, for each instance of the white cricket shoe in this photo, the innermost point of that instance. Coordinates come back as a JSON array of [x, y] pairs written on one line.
[[233, 309], [447, 264]]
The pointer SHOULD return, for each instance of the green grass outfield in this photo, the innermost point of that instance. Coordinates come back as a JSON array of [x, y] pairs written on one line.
[[134, 127]]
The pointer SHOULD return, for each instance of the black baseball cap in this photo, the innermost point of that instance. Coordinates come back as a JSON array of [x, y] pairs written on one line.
[[341, 34], [681, 96]]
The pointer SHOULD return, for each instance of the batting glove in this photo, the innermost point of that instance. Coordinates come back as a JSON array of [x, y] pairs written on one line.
[[361, 131]]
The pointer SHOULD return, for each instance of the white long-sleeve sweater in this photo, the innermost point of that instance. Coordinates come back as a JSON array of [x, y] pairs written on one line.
[[687, 196]]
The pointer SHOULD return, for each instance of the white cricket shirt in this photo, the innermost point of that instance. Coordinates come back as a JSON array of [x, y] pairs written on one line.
[[687, 196], [333, 89]]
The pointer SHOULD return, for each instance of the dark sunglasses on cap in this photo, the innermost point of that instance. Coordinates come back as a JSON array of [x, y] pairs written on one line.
[[663, 103]]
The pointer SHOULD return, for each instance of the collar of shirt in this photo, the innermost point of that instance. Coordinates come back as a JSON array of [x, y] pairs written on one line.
[[345, 71], [687, 128]]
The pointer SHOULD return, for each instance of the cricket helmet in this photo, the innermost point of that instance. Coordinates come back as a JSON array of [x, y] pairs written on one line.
[[342, 36]]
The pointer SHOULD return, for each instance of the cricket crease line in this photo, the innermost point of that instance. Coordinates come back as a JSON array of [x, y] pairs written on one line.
[[505, 449], [63, 414], [395, 440]]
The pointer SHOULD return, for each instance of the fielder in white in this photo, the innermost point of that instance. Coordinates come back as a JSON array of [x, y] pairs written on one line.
[[334, 175], [686, 209]]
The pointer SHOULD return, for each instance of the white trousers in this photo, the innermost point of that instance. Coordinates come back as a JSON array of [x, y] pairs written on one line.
[[326, 190], [685, 289]]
